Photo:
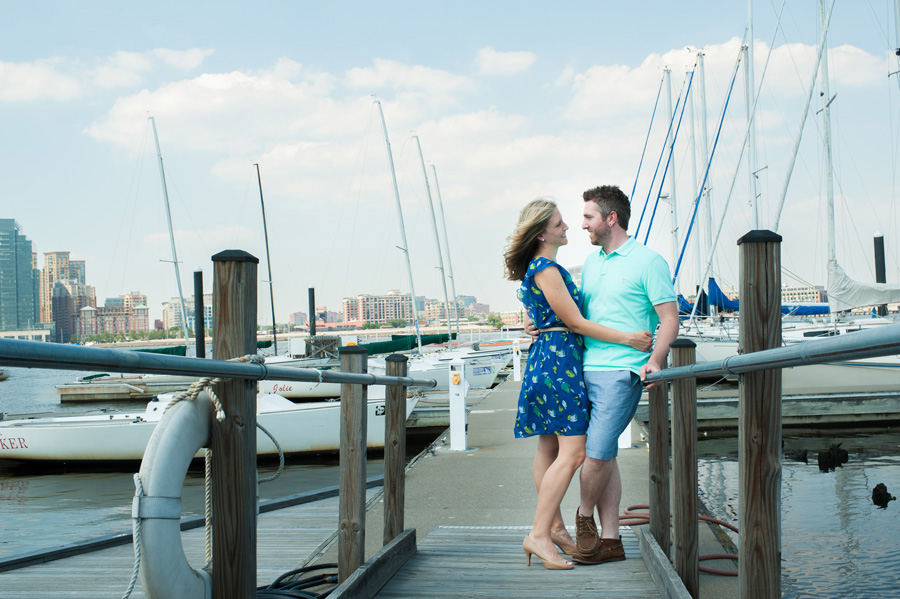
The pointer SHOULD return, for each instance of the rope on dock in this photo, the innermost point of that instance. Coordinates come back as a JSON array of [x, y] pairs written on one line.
[[137, 542], [632, 518], [206, 383]]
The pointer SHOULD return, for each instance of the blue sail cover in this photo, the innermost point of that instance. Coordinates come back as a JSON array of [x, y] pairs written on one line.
[[719, 299]]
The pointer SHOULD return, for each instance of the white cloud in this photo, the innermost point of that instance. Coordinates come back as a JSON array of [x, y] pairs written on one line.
[[391, 74], [492, 62], [565, 78], [63, 79], [182, 59], [38, 80], [233, 109], [122, 69]]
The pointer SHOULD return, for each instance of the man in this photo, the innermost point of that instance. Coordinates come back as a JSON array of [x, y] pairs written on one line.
[[626, 286]]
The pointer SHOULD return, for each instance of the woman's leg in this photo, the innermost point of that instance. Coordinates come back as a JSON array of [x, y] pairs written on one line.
[[553, 484], [548, 449]]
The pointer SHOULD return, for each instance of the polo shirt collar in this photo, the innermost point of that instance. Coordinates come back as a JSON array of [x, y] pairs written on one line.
[[623, 249]]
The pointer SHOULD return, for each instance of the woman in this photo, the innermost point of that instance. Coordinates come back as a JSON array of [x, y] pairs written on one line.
[[553, 401]]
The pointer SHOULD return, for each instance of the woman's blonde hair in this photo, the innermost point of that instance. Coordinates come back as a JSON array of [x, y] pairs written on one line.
[[522, 245]]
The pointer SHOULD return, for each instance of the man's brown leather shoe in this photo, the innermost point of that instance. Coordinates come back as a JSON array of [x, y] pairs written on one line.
[[611, 550], [587, 540]]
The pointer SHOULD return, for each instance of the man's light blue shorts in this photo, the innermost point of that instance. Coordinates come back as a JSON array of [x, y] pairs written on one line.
[[614, 397]]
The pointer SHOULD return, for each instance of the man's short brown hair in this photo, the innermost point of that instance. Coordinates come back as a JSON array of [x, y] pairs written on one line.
[[609, 198]]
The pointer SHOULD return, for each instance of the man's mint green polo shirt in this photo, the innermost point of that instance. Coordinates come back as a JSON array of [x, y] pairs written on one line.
[[620, 291]]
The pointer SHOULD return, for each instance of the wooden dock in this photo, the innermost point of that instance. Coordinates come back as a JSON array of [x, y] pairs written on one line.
[[487, 561], [287, 537], [468, 511]]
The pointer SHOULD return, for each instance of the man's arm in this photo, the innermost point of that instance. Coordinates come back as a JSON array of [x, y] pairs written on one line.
[[530, 329], [665, 335]]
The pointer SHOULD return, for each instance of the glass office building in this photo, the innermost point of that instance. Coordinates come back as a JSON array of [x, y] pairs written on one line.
[[19, 280]]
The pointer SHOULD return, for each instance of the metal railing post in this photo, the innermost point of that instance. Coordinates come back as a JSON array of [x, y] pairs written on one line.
[[759, 424]]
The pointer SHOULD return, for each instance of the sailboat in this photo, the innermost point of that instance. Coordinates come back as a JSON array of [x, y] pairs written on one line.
[[855, 377]]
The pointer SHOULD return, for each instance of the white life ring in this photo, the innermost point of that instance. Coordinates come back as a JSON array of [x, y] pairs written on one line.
[[164, 569]]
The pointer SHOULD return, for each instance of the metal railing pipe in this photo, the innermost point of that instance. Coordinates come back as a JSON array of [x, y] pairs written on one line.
[[35, 354], [883, 341]]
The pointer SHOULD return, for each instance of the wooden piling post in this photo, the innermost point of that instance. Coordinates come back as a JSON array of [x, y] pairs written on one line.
[[658, 413], [759, 426], [352, 501], [685, 556], [394, 450], [234, 439]]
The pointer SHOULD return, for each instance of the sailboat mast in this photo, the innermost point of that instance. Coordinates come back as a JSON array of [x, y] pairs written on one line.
[[675, 244], [697, 241], [751, 163], [268, 258], [162, 176], [437, 242], [897, 25], [704, 149], [750, 81], [826, 118], [405, 247], [437, 188]]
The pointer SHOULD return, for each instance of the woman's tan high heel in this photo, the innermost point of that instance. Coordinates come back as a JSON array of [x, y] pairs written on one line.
[[564, 546], [530, 548]]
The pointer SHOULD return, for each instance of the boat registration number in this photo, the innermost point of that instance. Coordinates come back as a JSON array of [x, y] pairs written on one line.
[[478, 370]]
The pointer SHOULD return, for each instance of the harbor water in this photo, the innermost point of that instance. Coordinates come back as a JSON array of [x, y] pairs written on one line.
[[835, 542]]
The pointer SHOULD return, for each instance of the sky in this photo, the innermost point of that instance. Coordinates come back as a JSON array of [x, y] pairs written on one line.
[[509, 100]]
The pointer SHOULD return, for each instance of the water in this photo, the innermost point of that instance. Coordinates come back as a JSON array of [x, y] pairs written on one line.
[[835, 541], [43, 508]]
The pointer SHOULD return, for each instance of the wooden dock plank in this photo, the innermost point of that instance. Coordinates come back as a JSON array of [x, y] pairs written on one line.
[[285, 538], [488, 561]]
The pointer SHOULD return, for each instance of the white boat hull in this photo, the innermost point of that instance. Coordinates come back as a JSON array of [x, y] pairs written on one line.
[[299, 428]]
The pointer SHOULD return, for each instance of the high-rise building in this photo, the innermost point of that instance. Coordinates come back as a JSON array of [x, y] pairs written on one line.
[[19, 302], [378, 309], [69, 297], [172, 312], [58, 267]]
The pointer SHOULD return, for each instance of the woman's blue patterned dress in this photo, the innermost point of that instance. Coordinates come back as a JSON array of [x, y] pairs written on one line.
[[553, 399]]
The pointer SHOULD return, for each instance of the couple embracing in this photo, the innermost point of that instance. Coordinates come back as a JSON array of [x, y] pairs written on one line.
[[592, 349]]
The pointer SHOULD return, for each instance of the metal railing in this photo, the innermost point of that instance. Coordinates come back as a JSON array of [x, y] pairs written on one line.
[[35, 354], [883, 341]]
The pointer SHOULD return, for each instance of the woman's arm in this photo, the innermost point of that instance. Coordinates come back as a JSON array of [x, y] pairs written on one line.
[[551, 283]]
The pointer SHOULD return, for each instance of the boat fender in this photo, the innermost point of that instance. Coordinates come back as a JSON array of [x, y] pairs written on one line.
[[164, 570]]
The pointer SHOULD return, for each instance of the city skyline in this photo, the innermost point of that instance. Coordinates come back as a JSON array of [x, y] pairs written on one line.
[[533, 100]]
